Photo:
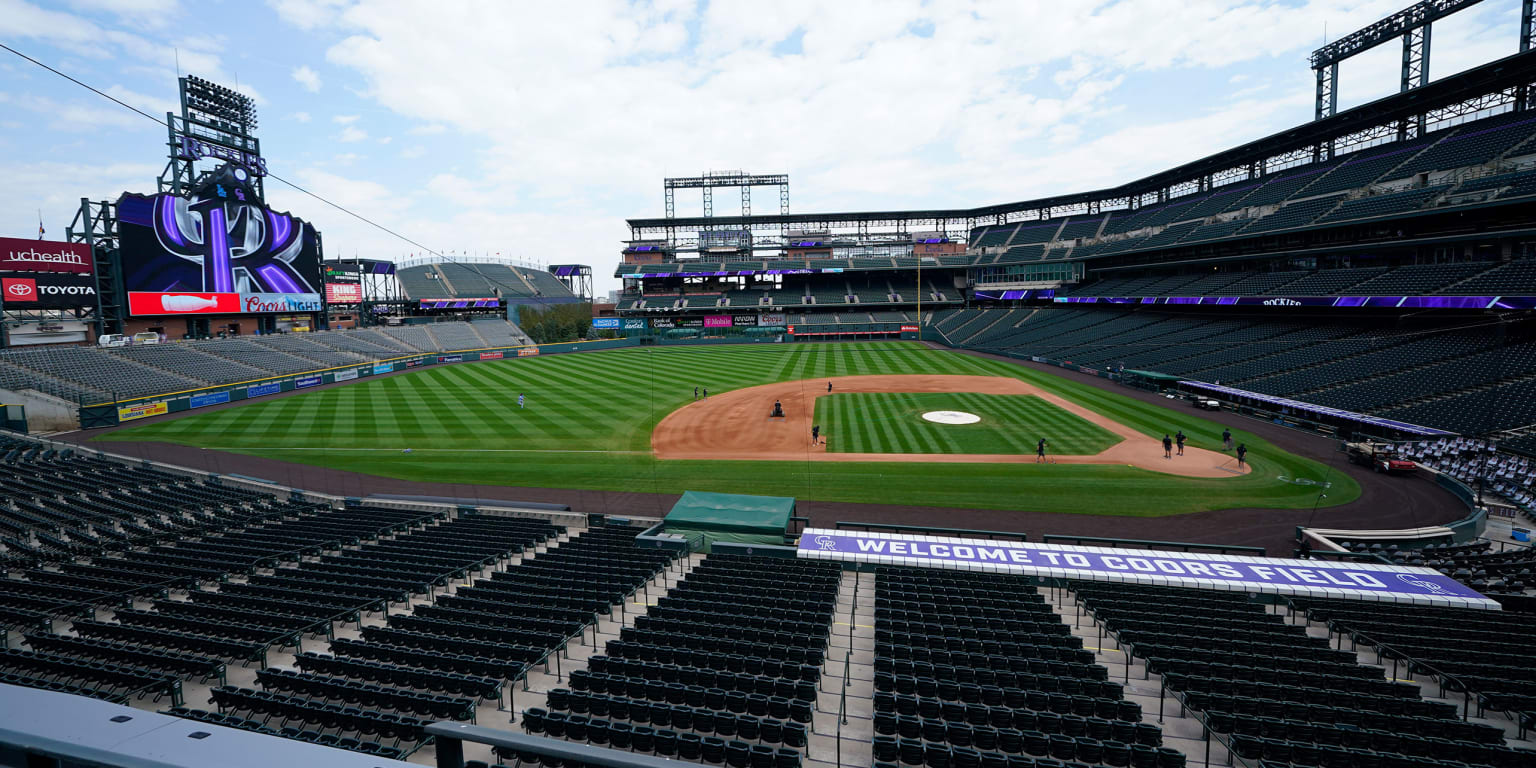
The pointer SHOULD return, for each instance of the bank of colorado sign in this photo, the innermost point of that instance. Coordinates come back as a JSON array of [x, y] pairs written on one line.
[[18, 255], [1273, 575], [221, 303]]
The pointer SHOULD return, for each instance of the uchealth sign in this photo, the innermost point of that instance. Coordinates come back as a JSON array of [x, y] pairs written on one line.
[[47, 290], [17, 255], [1274, 575], [221, 303]]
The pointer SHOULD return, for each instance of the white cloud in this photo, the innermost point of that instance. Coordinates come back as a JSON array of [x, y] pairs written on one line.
[[1004, 100], [352, 134], [302, 117], [344, 119], [386, 139], [308, 78]]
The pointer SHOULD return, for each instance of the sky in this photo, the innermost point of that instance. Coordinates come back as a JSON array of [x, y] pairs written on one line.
[[532, 130]]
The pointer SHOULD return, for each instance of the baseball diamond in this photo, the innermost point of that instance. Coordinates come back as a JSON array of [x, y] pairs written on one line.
[[606, 421]]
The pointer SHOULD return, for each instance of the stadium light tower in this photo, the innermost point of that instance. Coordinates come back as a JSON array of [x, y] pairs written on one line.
[[216, 123]]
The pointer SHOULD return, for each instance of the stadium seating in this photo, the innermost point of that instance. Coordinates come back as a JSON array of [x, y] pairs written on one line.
[[723, 668], [1470, 145], [1080, 226], [1384, 204], [972, 668], [1362, 168], [455, 335], [1298, 214], [92, 372], [1484, 652], [1281, 186], [1275, 693], [1418, 279], [301, 345], [1442, 376]]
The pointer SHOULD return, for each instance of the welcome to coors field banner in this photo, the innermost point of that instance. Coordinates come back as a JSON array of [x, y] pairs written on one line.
[[1274, 575]]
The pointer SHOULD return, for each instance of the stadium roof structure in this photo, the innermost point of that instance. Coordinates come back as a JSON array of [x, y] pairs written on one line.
[[1396, 117]]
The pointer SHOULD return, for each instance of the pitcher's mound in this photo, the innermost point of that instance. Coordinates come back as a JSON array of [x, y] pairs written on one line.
[[951, 417]]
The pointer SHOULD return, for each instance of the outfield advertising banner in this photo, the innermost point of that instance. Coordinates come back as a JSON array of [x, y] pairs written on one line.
[[260, 390], [209, 398], [772, 319], [17, 255], [492, 355], [346, 375], [142, 410], [307, 381], [605, 323], [48, 290], [744, 321], [140, 303], [528, 352], [450, 358], [717, 321], [1272, 575], [634, 324], [379, 368], [343, 293]]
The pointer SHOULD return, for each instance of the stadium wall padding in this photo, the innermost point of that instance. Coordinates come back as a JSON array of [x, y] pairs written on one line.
[[113, 413]]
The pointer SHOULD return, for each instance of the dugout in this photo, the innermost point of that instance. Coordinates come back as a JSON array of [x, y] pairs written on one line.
[[714, 517]]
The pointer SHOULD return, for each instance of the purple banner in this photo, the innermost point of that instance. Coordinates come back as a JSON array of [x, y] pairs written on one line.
[[1406, 302], [1369, 581], [1297, 405]]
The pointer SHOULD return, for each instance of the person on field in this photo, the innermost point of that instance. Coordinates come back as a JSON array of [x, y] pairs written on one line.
[[695, 393], [519, 400], [829, 387], [1242, 453], [1180, 438], [815, 433], [706, 393], [1167, 447], [1226, 439], [1040, 451]]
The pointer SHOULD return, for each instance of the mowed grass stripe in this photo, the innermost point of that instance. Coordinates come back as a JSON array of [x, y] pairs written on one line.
[[611, 401]]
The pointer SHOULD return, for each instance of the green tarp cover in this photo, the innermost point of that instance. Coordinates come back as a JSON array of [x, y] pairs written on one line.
[[704, 541], [1154, 375], [702, 511]]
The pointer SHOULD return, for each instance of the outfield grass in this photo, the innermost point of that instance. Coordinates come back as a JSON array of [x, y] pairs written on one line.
[[871, 422], [589, 418]]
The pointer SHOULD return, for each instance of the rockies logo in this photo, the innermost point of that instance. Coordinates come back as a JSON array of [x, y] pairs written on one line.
[[1421, 583], [826, 543]]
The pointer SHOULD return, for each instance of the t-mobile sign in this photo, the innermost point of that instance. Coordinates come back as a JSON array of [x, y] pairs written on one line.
[[17, 255], [1275, 575]]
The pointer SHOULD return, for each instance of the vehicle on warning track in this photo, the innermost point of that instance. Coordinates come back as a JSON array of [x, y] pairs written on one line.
[[1382, 457]]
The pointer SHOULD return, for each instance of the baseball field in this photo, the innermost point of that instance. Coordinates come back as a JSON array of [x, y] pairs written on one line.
[[629, 420]]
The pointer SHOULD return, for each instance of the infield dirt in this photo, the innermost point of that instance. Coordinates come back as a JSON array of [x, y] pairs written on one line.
[[735, 426]]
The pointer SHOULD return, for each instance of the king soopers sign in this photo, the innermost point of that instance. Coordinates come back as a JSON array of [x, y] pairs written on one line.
[[1259, 574]]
